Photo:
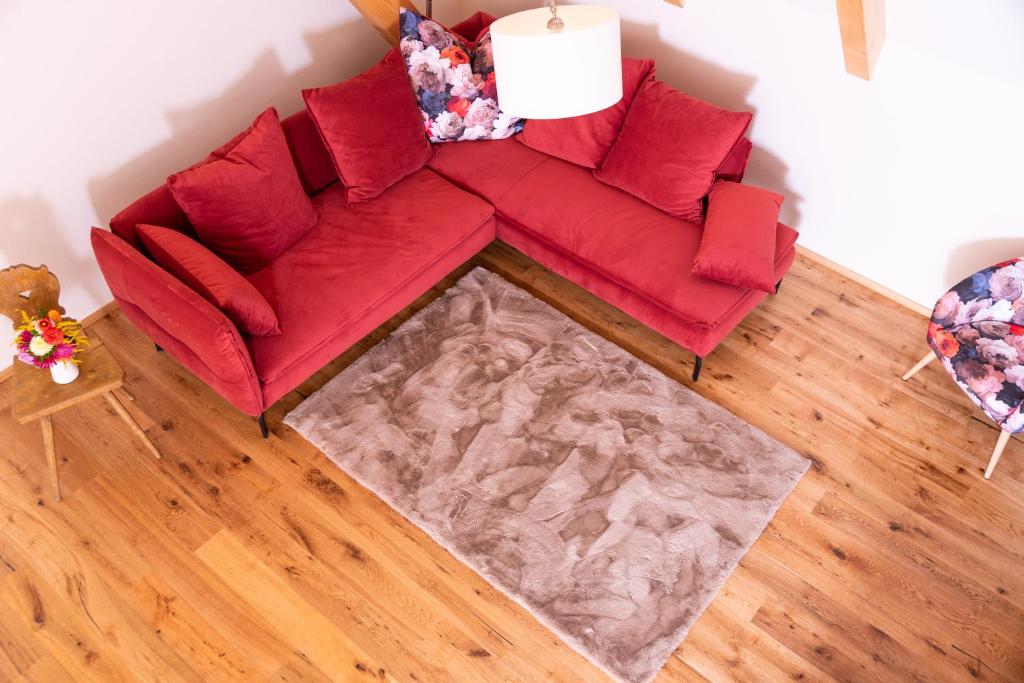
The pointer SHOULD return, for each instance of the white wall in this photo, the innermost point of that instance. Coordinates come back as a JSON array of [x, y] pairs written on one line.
[[102, 100], [913, 179]]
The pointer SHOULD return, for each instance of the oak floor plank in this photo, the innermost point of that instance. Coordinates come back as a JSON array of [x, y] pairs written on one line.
[[236, 558]]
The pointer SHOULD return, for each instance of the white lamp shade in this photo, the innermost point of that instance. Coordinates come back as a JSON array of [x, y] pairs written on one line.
[[544, 74]]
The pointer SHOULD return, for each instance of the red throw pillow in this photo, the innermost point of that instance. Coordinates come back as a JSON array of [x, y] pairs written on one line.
[[669, 147], [245, 200], [585, 140], [738, 244], [211, 278], [470, 28], [372, 127]]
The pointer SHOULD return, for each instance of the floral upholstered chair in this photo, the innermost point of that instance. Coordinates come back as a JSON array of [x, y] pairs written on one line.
[[977, 331]]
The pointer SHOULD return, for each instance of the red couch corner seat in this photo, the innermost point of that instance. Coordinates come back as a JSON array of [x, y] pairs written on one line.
[[358, 267], [616, 246], [353, 271]]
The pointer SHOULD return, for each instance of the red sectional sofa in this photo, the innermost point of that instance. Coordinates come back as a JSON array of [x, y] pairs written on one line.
[[362, 264]]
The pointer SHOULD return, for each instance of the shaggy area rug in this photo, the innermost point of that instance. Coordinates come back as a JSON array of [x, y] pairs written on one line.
[[608, 499]]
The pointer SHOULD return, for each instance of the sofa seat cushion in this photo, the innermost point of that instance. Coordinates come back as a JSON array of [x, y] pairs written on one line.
[[487, 168], [355, 258], [623, 238]]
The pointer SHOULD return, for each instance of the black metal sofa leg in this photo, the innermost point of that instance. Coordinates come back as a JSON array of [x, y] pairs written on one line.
[[778, 286], [158, 347], [696, 367], [262, 420]]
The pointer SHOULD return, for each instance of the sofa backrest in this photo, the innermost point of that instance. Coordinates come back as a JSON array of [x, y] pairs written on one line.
[[735, 164], [157, 207]]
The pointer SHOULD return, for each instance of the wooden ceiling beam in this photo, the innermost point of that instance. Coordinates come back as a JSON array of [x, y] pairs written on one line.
[[862, 27], [383, 14]]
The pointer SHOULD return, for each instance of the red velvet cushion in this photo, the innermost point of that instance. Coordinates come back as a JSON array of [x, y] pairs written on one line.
[[470, 28], [372, 127], [312, 160], [669, 147], [211, 278], [487, 168], [585, 140], [245, 201], [738, 244]]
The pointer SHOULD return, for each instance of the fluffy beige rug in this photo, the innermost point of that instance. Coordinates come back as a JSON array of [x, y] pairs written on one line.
[[609, 500]]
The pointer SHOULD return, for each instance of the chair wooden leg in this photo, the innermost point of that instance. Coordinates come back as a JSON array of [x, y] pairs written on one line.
[[46, 422], [1004, 437], [132, 424], [920, 364]]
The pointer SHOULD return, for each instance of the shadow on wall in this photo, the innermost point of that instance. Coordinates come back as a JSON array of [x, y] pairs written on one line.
[[971, 257], [28, 222], [719, 86], [198, 130]]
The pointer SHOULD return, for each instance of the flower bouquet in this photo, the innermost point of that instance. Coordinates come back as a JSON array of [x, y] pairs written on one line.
[[52, 342]]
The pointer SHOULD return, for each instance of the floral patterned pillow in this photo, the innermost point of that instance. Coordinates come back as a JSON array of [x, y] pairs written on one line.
[[454, 82]]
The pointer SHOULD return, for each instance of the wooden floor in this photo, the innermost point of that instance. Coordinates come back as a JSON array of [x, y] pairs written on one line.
[[235, 558]]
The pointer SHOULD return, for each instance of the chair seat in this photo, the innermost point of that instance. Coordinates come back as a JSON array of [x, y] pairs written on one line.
[[977, 332]]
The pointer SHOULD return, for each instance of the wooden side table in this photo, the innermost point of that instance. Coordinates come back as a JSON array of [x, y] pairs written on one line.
[[37, 397]]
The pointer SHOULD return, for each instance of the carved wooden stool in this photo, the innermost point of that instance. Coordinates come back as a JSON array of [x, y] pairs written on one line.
[[36, 396]]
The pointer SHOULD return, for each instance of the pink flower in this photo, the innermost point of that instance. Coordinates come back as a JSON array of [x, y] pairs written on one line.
[[482, 112], [427, 70], [1016, 375], [1015, 422], [997, 353], [409, 46], [427, 77], [993, 329], [997, 408], [1017, 342], [62, 351], [969, 311], [980, 378], [947, 308], [465, 83], [1007, 283], [434, 35], [966, 335]]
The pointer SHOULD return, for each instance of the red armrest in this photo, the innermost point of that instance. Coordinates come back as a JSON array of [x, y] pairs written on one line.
[[187, 326]]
